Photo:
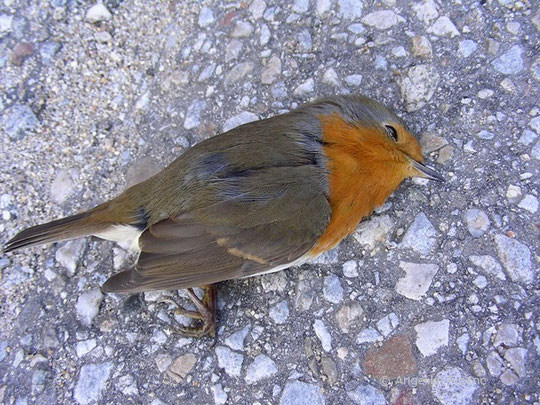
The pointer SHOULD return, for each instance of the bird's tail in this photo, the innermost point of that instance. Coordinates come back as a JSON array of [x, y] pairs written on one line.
[[71, 227]]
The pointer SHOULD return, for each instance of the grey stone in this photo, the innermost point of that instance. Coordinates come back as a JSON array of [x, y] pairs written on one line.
[[383, 19], [236, 340], [98, 13], [477, 222], [39, 378], [276, 281], [92, 381], [238, 72], [6, 22], [421, 235], [265, 35], [463, 342], [15, 275], [331, 78], [485, 93], [69, 254], [431, 336], [157, 402], [494, 364], [263, 367], [349, 317], [163, 361], [230, 361], [452, 386], [48, 51], [305, 88], [516, 259], [527, 137], [233, 49], [304, 41], [300, 6], [368, 335], [280, 312], [387, 324], [421, 47], [426, 11], [467, 47], [366, 395], [444, 27], [508, 377], [489, 265], [417, 279], [517, 358], [19, 121], [256, 8], [510, 62], [486, 135], [534, 123], [353, 80], [329, 368], [193, 114], [181, 367], [418, 86], [350, 9], [220, 396], [529, 203], [206, 17], [350, 269], [271, 71], [322, 333], [3, 350], [242, 29], [399, 52], [332, 289], [88, 306], [240, 119], [103, 37], [304, 293], [480, 282], [374, 231], [207, 72], [356, 28], [431, 142], [322, 7], [85, 346], [301, 393], [63, 184], [535, 152], [507, 335], [127, 385]]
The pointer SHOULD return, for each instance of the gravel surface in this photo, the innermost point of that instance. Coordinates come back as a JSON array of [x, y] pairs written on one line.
[[433, 300]]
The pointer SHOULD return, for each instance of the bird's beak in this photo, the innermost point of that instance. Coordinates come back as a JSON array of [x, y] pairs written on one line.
[[425, 171]]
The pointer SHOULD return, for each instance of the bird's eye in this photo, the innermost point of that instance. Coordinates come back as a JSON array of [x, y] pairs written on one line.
[[392, 132]]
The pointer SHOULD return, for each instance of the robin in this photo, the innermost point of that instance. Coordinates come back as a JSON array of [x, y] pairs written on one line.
[[259, 198]]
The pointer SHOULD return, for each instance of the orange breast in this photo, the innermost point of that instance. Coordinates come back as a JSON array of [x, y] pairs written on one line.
[[361, 177]]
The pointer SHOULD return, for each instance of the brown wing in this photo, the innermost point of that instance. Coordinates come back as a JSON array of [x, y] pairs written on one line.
[[244, 223]]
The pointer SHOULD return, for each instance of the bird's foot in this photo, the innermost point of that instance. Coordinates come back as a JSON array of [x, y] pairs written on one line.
[[206, 312]]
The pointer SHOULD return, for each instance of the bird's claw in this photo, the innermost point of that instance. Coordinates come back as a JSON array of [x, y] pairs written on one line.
[[206, 312]]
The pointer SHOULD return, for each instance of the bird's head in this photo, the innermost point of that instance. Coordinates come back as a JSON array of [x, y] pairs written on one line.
[[371, 131]]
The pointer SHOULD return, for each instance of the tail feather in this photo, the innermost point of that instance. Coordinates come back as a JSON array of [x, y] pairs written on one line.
[[67, 228]]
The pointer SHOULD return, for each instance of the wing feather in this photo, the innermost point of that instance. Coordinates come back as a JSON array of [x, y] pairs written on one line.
[[237, 224]]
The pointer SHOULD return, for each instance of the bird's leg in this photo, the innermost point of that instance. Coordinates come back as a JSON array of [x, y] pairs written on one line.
[[181, 311], [206, 312]]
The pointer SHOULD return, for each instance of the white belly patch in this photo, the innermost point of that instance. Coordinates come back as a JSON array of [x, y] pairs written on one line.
[[127, 236], [298, 262]]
